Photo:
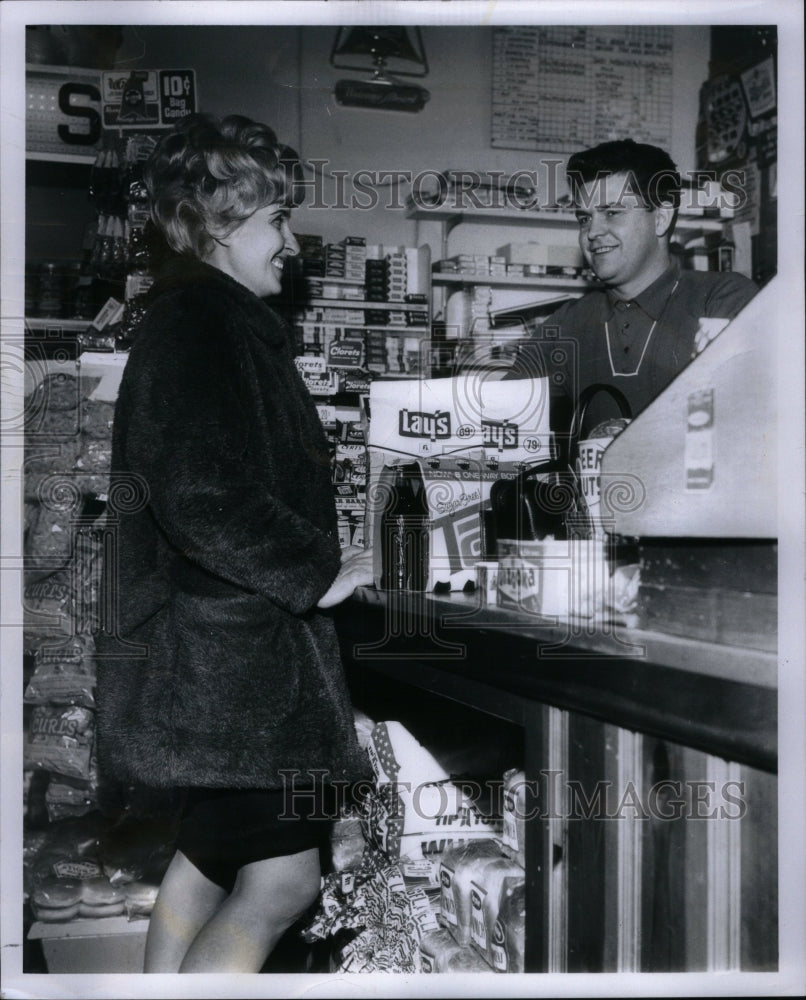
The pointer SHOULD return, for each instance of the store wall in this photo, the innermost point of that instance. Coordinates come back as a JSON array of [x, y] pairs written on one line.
[[282, 75]]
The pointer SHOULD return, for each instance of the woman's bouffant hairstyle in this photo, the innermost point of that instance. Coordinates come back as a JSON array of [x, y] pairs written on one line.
[[207, 176]]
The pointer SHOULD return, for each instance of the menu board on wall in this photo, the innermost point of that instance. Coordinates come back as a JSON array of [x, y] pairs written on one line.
[[566, 87]]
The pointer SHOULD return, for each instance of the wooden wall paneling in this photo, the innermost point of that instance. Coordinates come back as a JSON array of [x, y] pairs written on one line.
[[759, 871], [629, 864], [590, 846], [539, 851], [724, 875], [665, 872], [557, 830]]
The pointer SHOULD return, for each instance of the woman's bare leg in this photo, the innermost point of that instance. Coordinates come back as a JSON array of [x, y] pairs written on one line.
[[268, 897], [185, 903]]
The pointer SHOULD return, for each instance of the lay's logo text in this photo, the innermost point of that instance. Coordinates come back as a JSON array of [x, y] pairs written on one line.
[[415, 424], [499, 434]]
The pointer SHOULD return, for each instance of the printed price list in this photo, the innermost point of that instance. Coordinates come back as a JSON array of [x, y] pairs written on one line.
[[562, 88]]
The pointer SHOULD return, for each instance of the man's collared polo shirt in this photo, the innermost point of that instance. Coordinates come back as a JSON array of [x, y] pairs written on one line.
[[637, 345]]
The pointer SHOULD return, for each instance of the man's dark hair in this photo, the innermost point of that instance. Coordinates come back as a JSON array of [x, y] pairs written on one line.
[[651, 169]]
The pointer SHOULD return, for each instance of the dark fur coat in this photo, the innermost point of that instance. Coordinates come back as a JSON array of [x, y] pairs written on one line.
[[221, 672]]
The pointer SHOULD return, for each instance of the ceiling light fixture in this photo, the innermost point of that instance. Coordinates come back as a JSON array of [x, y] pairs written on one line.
[[387, 48]]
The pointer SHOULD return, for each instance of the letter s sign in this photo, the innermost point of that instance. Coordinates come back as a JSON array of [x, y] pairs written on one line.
[[91, 116]]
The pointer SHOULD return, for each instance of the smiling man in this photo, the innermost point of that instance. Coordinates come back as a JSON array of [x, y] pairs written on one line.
[[649, 318]]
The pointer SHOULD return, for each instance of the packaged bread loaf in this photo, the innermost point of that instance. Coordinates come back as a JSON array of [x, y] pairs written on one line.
[[508, 933], [56, 900], [55, 393], [424, 821], [140, 898], [458, 867], [47, 455], [514, 815], [69, 797], [440, 952], [487, 889], [99, 898]]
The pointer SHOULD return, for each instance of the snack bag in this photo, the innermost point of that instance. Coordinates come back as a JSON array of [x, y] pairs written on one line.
[[60, 739], [64, 673]]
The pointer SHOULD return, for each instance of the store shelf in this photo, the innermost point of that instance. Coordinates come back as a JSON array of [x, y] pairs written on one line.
[[534, 217], [91, 364], [54, 323], [510, 281], [46, 157], [362, 304]]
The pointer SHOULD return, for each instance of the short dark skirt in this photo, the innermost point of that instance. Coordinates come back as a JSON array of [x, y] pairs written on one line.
[[223, 829]]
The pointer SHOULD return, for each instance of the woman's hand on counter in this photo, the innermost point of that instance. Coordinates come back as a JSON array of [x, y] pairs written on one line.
[[356, 571]]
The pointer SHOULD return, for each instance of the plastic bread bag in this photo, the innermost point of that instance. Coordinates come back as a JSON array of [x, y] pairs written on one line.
[[398, 758], [458, 868], [347, 842], [56, 900], [440, 952], [515, 806], [363, 728], [486, 893], [140, 898], [95, 455], [508, 934]]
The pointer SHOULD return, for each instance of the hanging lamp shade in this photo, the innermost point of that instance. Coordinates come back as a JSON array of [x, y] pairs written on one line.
[[382, 45], [387, 53]]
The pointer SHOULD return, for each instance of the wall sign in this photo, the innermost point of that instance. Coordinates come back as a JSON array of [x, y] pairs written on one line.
[[67, 109], [148, 98], [63, 110], [563, 88]]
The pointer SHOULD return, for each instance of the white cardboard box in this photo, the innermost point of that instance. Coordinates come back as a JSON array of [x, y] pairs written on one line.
[[110, 944]]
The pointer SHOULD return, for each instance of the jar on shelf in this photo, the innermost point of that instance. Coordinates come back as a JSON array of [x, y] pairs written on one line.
[[50, 290]]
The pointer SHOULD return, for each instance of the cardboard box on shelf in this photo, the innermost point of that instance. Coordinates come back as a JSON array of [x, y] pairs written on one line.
[[107, 945]]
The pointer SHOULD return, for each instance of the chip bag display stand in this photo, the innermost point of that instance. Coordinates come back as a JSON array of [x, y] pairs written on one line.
[[462, 434]]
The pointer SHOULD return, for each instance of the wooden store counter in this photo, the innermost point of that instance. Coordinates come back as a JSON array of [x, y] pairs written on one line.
[[653, 842]]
